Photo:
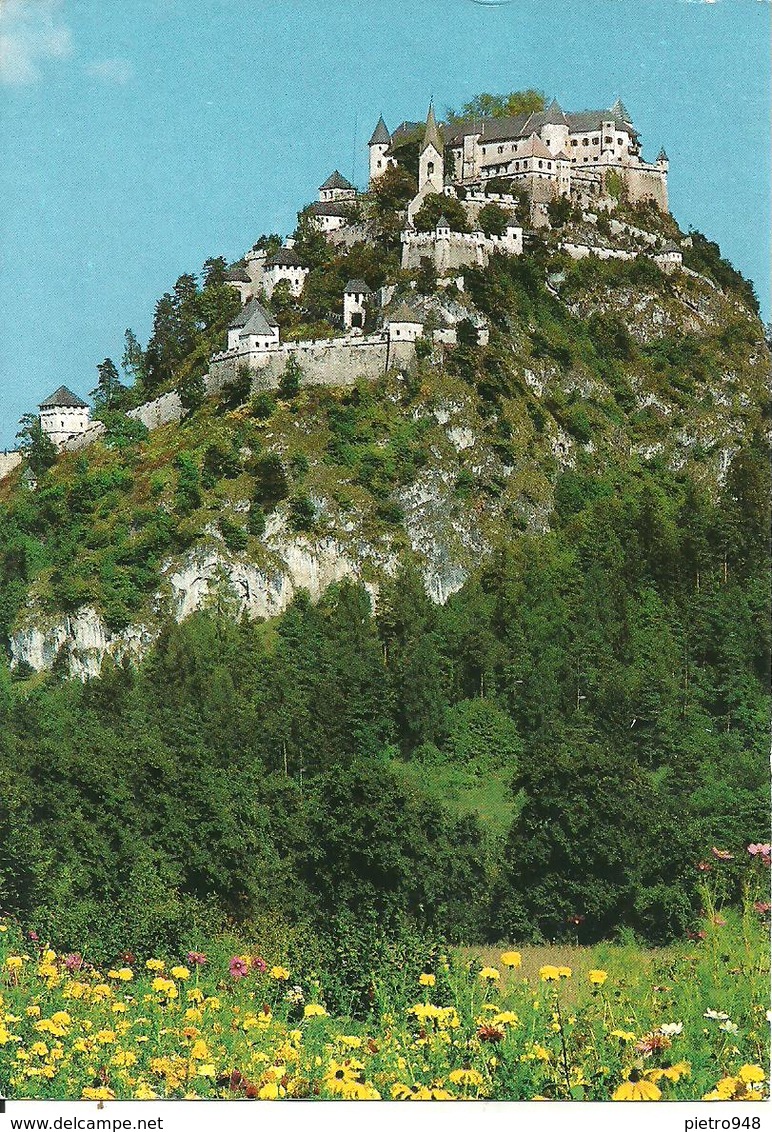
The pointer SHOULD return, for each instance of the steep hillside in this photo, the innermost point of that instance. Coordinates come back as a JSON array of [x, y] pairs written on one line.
[[591, 365]]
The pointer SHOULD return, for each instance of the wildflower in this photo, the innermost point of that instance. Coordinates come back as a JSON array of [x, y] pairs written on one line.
[[259, 964], [750, 1074], [270, 1091], [314, 1010], [729, 1027], [281, 974], [718, 1015], [426, 980], [597, 977], [721, 854], [238, 968], [105, 1037], [180, 973], [199, 1051], [653, 1042], [671, 1029], [552, 974], [73, 962], [512, 959], [143, 1092], [761, 906], [196, 958], [734, 1089], [640, 1090], [99, 1094], [490, 1033], [33, 935], [704, 867], [466, 1077], [295, 996], [155, 964], [489, 974], [760, 850], [719, 921], [505, 1018], [125, 974], [14, 962]]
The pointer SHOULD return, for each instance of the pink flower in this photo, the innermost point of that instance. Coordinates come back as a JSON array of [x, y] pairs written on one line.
[[696, 936], [259, 964], [73, 962], [717, 920], [196, 958], [759, 849], [33, 936], [762, 907], [238, 968], [721, 854], [704, 867]]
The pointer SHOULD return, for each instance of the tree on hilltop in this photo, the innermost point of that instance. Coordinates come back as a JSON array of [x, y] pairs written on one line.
[[500, 105], [109, 387], [493, 220], [436, 205], [36, 445]]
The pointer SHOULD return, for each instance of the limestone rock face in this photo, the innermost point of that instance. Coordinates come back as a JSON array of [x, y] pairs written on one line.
[[81, 639]]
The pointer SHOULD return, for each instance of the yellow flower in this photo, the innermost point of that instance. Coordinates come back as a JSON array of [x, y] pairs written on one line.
[[564, 972], [105, 1037], [143, 1092], [100, 1094], [39, 1049], [426, 980], [505, 1018], [32, 1011], [642, 1090], [490, 974], [597, 978], [314, 1010], [270, 1091], [155, 964], [280, 973], [512, 959], [199, 1050], [207, 1070], [466, 1077], [549, 973], [750, 1074], [14, 962], [124, 1059], [624, 1035], [180, 973]]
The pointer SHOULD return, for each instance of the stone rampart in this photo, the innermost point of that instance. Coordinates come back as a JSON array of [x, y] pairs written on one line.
[[8, 461], [163, 410], [322, 362]]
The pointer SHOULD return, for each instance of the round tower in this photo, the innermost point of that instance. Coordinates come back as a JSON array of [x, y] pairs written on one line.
[[378, 145]]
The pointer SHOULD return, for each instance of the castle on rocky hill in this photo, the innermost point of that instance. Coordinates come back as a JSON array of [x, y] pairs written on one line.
[[548, 153]]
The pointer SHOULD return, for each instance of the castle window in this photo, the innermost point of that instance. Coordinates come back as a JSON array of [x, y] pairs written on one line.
[[541, 164], [574, 141], [620, 141], [430, 168], [596, 141], [501, 149], [585, 141], [608, 141]]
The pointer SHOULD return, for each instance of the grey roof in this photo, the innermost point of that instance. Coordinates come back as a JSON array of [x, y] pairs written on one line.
[[63, 398], [583, 121], [237, 274], [356, 286], [285, 257], [404, 132], [336, 180], [670, 247], [404, 313], [620, 111], [443, 222], [381, 135], [255, 317], [330, 208], [432, 135]]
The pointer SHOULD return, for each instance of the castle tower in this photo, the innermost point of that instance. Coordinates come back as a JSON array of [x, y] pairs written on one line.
[[378, 146], [554, 128], [431, 166]]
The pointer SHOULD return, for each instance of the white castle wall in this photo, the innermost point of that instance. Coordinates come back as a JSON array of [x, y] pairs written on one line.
[[8, 461]]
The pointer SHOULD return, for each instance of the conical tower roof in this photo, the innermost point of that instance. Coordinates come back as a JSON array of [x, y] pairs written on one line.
[[662, 156], [619, 110], [381, 135], [553, 115], [443, 222], [432, 133]]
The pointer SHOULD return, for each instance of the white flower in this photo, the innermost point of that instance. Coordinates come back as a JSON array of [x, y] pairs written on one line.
[[670, 1029], [729, 1027], [717, 1015], [769, 1016]]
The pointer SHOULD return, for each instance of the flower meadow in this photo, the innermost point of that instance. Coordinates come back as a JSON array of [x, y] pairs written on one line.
[[613, 1022]]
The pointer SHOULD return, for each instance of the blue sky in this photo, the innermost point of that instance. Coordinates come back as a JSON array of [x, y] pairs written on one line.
[[141, 136]]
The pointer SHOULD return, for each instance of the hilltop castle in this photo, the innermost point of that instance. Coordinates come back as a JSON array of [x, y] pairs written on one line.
[[548, 153]]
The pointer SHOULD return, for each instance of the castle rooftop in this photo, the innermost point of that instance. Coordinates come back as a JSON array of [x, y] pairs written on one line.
[[336, 180], [63, 398], [256, 317]]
